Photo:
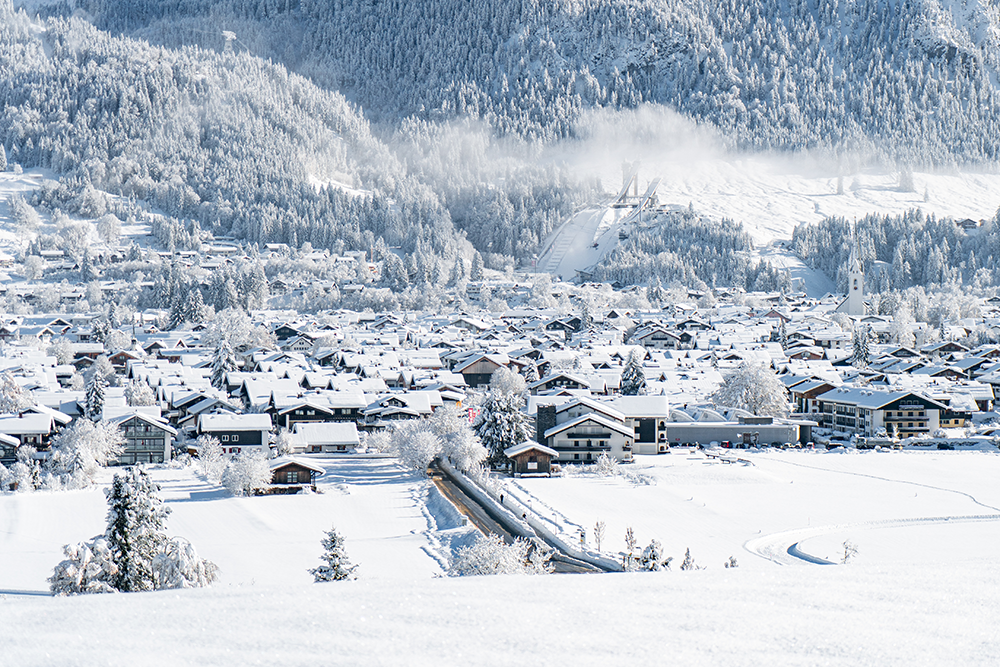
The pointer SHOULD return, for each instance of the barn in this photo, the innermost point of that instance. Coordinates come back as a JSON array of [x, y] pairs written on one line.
[[531, 458], [288, 471]]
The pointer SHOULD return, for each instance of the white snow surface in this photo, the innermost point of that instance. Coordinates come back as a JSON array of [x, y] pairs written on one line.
[[395, 522], [888, 503], [918, 595]]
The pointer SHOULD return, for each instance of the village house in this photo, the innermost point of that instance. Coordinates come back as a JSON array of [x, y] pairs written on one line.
[[148, 438], [237, 433]]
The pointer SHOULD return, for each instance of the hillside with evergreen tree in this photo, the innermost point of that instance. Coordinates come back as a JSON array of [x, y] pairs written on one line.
[[911, 81], [225, 143]]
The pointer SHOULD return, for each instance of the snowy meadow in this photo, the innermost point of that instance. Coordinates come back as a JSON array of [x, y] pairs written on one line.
[[917, 592]]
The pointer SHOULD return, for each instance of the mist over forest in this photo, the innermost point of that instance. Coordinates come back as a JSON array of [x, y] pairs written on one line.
[[452, 130]]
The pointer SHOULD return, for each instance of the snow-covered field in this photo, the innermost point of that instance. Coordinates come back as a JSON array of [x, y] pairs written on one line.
[[396, 524], [771, 197], [860, 615], [915, 595], [899, 507]]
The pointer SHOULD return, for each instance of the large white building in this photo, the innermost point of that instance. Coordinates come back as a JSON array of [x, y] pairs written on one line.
[[869, 412]]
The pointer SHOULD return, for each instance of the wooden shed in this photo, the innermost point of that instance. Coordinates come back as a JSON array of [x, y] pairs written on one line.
[[531, 458], [287, 471]]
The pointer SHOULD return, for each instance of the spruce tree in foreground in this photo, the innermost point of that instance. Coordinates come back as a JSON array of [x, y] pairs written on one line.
[[336, 565], [135, 533], [861, 356], [134, 554]]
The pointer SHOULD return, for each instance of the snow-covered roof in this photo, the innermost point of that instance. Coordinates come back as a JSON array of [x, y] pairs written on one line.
[[281, 461], [230, 422], [327, 433], [529, 445], [597, 419]]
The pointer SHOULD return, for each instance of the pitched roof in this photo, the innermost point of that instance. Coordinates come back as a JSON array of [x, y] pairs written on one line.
[[231, 422], [529, 445], [590, 416]]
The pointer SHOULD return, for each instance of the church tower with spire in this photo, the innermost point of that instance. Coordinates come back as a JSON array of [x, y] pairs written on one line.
[[855, 280], [854, 304]]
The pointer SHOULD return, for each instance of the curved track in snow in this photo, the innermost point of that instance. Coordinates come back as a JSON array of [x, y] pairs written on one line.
[[783, 548]]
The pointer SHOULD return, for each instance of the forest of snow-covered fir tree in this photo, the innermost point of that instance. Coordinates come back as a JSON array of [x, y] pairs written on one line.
[[441, 136]]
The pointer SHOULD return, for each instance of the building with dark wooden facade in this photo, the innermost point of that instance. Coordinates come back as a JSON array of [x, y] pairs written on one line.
[[287, 471], [531, 458]]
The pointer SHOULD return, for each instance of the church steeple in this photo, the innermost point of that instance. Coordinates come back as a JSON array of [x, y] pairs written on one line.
[[855, 279]]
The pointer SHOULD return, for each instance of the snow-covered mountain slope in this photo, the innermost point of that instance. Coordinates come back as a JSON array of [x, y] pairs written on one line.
[[232, 142], [890, 78], [770, 198]]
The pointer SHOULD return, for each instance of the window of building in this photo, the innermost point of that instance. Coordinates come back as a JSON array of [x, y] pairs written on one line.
[[292, 477], [225, 438]]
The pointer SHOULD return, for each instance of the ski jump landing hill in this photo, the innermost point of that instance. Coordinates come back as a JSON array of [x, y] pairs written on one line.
[[592, 233]]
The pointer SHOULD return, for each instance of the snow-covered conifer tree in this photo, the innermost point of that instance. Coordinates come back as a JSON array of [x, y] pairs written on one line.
[[96, 387], [194, 306], [530, 373], [336, 565], [223, 362], [477, 272], [652, 558], [633, 376], [688, 562], [136, 517], [861, 343], [178, 310], [88, 272], [501, 424]]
